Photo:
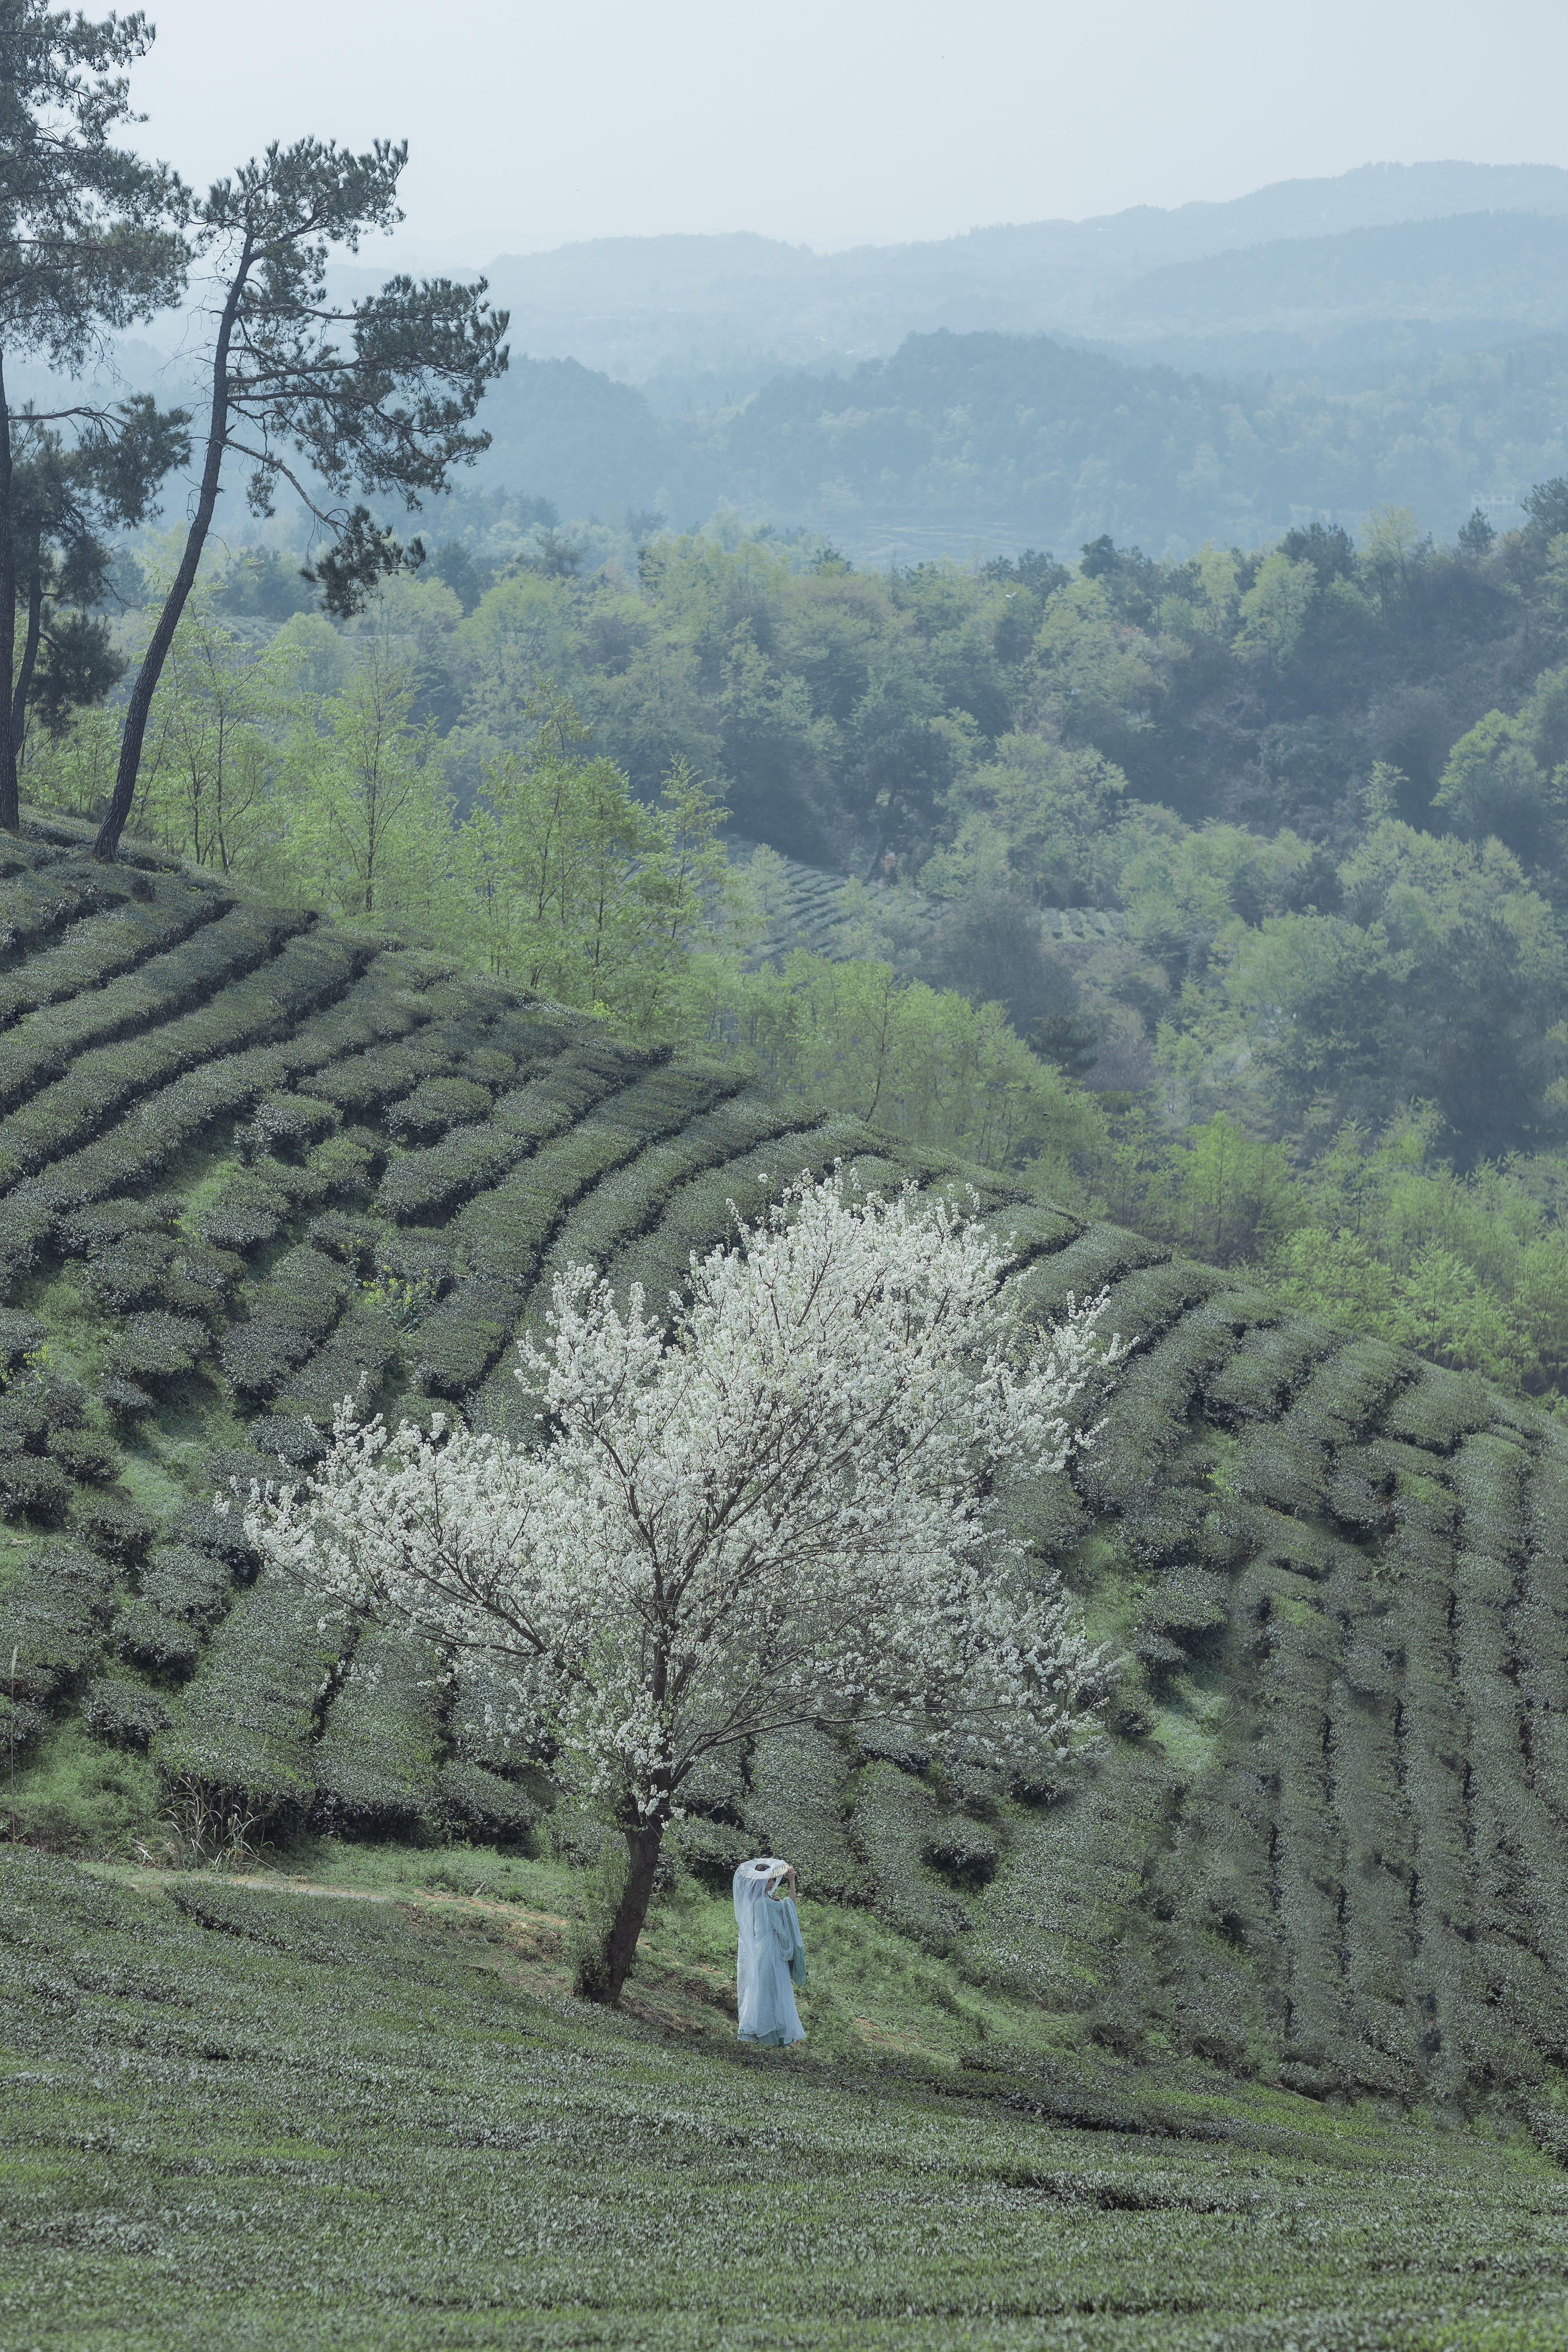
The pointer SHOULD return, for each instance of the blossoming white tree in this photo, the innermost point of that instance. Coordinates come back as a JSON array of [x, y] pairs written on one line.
[[772, 1510]]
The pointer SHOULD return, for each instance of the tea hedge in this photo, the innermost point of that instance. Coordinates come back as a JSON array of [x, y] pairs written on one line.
[[252, 1168]]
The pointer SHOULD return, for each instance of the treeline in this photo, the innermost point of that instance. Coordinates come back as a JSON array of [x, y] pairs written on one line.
[[302, 767], [955, 438]]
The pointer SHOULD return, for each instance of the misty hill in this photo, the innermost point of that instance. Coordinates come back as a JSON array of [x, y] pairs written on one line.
[[697, 306], [907, 400], [1494, 266], [996, 442]]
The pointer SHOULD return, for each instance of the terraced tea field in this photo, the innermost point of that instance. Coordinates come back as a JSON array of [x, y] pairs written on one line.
[[248, 1161]]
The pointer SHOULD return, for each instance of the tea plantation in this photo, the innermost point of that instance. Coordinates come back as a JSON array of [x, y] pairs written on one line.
[[1311, 1894]]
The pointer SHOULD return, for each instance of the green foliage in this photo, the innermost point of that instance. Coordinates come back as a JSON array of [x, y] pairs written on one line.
[[53, 1611], [243, 1726], [376, 1763]]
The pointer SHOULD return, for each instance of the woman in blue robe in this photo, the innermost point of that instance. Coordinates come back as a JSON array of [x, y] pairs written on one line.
[[770, 1958]]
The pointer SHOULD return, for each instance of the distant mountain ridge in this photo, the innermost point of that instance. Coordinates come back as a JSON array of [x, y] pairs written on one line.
[[1045, 382], [1491, 265], [638, 306]]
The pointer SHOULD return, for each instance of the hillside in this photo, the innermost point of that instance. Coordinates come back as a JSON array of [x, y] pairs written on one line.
[[243, 2117], [248, 1159]]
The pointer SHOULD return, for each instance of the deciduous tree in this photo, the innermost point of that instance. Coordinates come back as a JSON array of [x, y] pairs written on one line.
[[777, 1512]]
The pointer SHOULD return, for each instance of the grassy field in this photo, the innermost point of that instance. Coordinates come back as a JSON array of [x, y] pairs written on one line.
[[1312, 1892], [237, 2116]]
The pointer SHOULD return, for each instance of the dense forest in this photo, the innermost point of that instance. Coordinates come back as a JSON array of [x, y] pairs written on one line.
[[1314, 793], [964, 438]]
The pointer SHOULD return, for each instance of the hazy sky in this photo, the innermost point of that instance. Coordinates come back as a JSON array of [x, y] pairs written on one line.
[[834, 123]]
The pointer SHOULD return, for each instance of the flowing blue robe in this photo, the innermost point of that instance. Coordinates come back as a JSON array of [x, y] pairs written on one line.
[[770, 1958]]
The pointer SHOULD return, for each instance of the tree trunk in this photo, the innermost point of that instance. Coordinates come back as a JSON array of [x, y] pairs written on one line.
[[29, 656], [10, 808], [621, 1947], [106, 847]]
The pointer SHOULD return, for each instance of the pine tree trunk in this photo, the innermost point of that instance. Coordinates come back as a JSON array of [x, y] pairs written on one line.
[[29, 660], [10, 809], [106, 848], [620, 1946]]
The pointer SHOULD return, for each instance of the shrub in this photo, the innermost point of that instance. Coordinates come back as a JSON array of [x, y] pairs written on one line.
[[20, 1334], [99, 946], [144, 1006], [796, 1805], [476, 1802], [105, 1224], [354, 1240], [698, 1213], [894, 1819], [125, 1713], [376, 1761], [477, 1716], [33, 1488], [247, 1211], [43, 1402], [712, 1850], [352, 1362], [1438, 1408], [158, 1348], [365, 1081], [287, 1123], [35, 905], [53, 1613], [202, 1279], [1255, 1382], [82, 1454], [429, 1183], [292, 1313], [152, 1637], [346, 1164], [242, 1727], [56, 1126], [125, 1400], [297, 1441], [963, 1852], [113, 1524], [220, 1534], [435, 1105], [130, 1273], [187, 1583], [22, 1726]]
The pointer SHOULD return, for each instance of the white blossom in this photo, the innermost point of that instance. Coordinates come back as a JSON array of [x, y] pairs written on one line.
[[772, 1508]]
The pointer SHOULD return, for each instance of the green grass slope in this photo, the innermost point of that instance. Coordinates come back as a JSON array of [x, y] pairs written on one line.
[[248, 1161], [233, 2117]]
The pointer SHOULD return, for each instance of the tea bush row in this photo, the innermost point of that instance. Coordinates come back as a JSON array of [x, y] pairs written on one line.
[[430, 1185], [144, 1005], [312, 973], [377, 1762], [39, 899], [243, 1726], [505, 1232], [101, 947]]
